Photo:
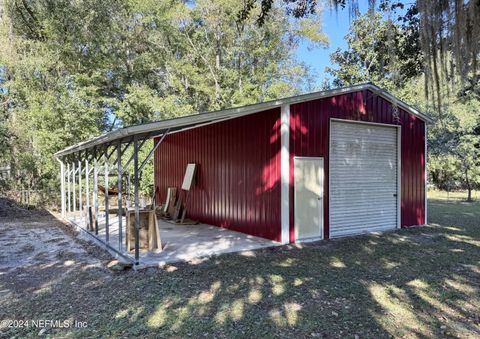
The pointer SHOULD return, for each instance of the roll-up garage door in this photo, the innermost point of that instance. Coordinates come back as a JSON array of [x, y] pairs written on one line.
[[363, 178]]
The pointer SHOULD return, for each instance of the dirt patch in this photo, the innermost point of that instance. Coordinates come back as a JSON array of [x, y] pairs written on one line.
[[43, 257], [27, 248], [37, 247], [11, 209], [54, 240]]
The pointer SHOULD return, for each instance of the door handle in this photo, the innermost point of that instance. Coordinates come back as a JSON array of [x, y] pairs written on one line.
[[394, 194]]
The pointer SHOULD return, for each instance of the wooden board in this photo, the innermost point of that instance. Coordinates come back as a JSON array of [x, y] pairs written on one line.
[[169, 206], [178, 207], [149, 232], [90, 218], [189, 176]]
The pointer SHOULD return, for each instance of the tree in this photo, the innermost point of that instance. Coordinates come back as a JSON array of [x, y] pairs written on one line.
[[388, 53], [379, 50], [449, 32], [75, 69], [455, 144]]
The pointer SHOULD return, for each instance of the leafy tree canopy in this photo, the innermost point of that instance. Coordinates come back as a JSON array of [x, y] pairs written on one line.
[[380, 50], [388, 52], [70, 70], [449, 33]]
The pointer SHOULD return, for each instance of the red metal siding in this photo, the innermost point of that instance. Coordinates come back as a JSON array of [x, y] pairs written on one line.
[[309, 136], [238, 181]]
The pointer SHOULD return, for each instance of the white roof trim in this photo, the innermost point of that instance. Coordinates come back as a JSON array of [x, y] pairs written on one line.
[[203, 118]]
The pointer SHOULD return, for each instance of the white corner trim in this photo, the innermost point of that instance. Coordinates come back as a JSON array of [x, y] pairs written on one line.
[[285, 172], [62, 187], [426, 177], [399, 176]]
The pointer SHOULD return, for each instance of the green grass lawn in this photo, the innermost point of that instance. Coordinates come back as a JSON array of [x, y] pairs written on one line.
[[454, 195], [418, 282]]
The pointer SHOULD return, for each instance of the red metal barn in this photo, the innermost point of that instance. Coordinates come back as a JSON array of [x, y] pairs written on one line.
[[316, 166]]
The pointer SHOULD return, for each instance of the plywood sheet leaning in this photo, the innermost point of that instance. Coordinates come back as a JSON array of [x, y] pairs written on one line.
[[189, 177], [183, 199]]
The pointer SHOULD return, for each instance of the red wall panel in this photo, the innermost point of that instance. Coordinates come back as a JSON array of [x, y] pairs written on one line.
[[238, 179], [309, 136], [238, 182]]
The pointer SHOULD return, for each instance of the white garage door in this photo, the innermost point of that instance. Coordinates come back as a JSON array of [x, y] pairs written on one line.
[[363, 178]]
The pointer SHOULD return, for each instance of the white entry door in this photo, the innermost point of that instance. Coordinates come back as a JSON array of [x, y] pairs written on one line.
[[363, 178], [308, 198]]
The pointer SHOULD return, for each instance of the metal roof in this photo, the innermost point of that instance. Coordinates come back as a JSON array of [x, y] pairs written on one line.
[[149, 130]]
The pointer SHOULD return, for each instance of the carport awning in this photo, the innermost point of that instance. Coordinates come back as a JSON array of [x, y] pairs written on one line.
[[149, 130]]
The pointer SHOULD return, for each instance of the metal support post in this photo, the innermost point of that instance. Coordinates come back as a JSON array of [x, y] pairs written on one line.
[[137, 210], [87, 187], [74, 190], [119, 183], [122, 151], [95, 192], [62, 187], [107, 236], [150, 154], [138, 149], [68, 187], [80, 203]]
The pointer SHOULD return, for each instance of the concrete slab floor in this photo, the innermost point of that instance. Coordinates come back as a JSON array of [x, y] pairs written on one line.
[[187, 243]]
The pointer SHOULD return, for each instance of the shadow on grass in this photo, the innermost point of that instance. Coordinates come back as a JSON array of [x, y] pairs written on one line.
[[417, 282]]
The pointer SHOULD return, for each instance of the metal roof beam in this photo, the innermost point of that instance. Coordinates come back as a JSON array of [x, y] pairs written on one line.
[[110, 154], [119, 156], [133, 155], [152, 151]]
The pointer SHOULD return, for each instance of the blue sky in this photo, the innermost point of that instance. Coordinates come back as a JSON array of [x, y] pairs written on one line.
[[335, 25]]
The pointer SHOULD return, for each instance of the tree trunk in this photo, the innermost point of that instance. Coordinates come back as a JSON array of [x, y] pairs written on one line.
[[469, 186]]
